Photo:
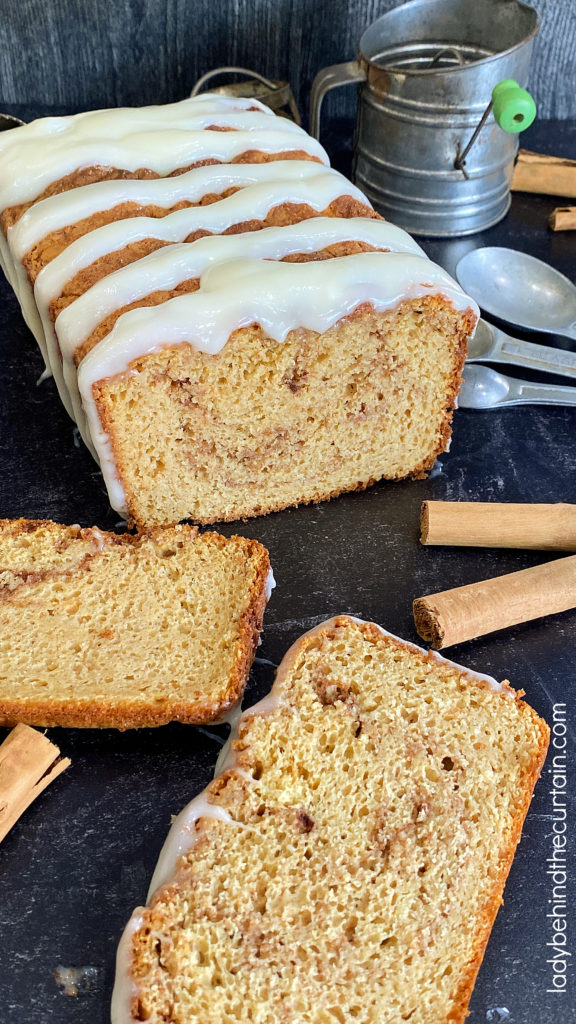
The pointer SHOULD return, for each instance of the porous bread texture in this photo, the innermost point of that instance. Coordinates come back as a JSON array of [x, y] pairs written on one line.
[[344, 206], [88, 175], [264, 424], [371, 820], [119, 631]]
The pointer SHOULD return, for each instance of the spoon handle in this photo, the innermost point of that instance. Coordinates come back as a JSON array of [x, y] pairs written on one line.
[[522, 392], [529, 355]]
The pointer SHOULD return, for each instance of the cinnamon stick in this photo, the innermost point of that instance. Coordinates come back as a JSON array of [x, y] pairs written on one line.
[[454, 616], [563, 218], [548, 175], [486, 524], [29, 762]]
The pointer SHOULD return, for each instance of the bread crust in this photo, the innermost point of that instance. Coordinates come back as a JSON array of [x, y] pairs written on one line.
[[463, 992]]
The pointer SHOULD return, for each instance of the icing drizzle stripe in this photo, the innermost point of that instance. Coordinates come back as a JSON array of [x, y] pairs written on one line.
[[24, 175], [65, 208]]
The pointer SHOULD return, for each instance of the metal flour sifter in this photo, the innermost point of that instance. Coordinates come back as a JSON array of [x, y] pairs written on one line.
[[439, 110]]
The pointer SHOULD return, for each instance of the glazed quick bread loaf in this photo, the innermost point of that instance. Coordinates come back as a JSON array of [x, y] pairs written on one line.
[[348, 861], [117, 631], [157, 254]]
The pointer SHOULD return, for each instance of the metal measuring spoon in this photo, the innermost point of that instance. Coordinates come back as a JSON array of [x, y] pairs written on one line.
[[484, 388], [493, 345], [520, 289]]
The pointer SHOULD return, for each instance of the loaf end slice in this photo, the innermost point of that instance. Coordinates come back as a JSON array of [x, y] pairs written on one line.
[[348, 861], [120, 631]]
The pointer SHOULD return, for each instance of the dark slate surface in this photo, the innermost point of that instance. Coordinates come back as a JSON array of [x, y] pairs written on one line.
[[80, 859]]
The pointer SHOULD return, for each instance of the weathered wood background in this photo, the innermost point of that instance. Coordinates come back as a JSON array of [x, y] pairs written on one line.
[[90, 53]]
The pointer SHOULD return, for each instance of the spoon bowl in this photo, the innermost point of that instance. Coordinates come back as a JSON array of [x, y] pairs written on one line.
[[485, 388], [481, 345], [519, 289]]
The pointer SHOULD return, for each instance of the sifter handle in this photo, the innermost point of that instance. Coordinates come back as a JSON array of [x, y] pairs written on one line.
[[330, 78], [513, 107], [231, 70]]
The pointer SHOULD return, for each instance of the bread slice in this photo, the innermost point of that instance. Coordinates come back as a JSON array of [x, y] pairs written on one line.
[[116, 631], [276, 384], [348, 862]]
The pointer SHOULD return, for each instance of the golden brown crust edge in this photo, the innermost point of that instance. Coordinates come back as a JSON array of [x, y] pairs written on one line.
[[486, 919], [100, 714]]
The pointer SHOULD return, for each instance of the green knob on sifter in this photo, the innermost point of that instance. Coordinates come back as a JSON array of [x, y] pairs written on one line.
[[513, 107]]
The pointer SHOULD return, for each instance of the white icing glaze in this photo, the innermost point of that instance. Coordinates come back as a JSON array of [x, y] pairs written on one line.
[[170, 265], [229, 717], [30, 312], [99, 539], [167, 267], [270, 585], [267, 706], [279, 296], [14, 273], [65, 208], [227, 757], [29, 168], [6, 259], [114, 120], [125, 987], [183, 835]]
